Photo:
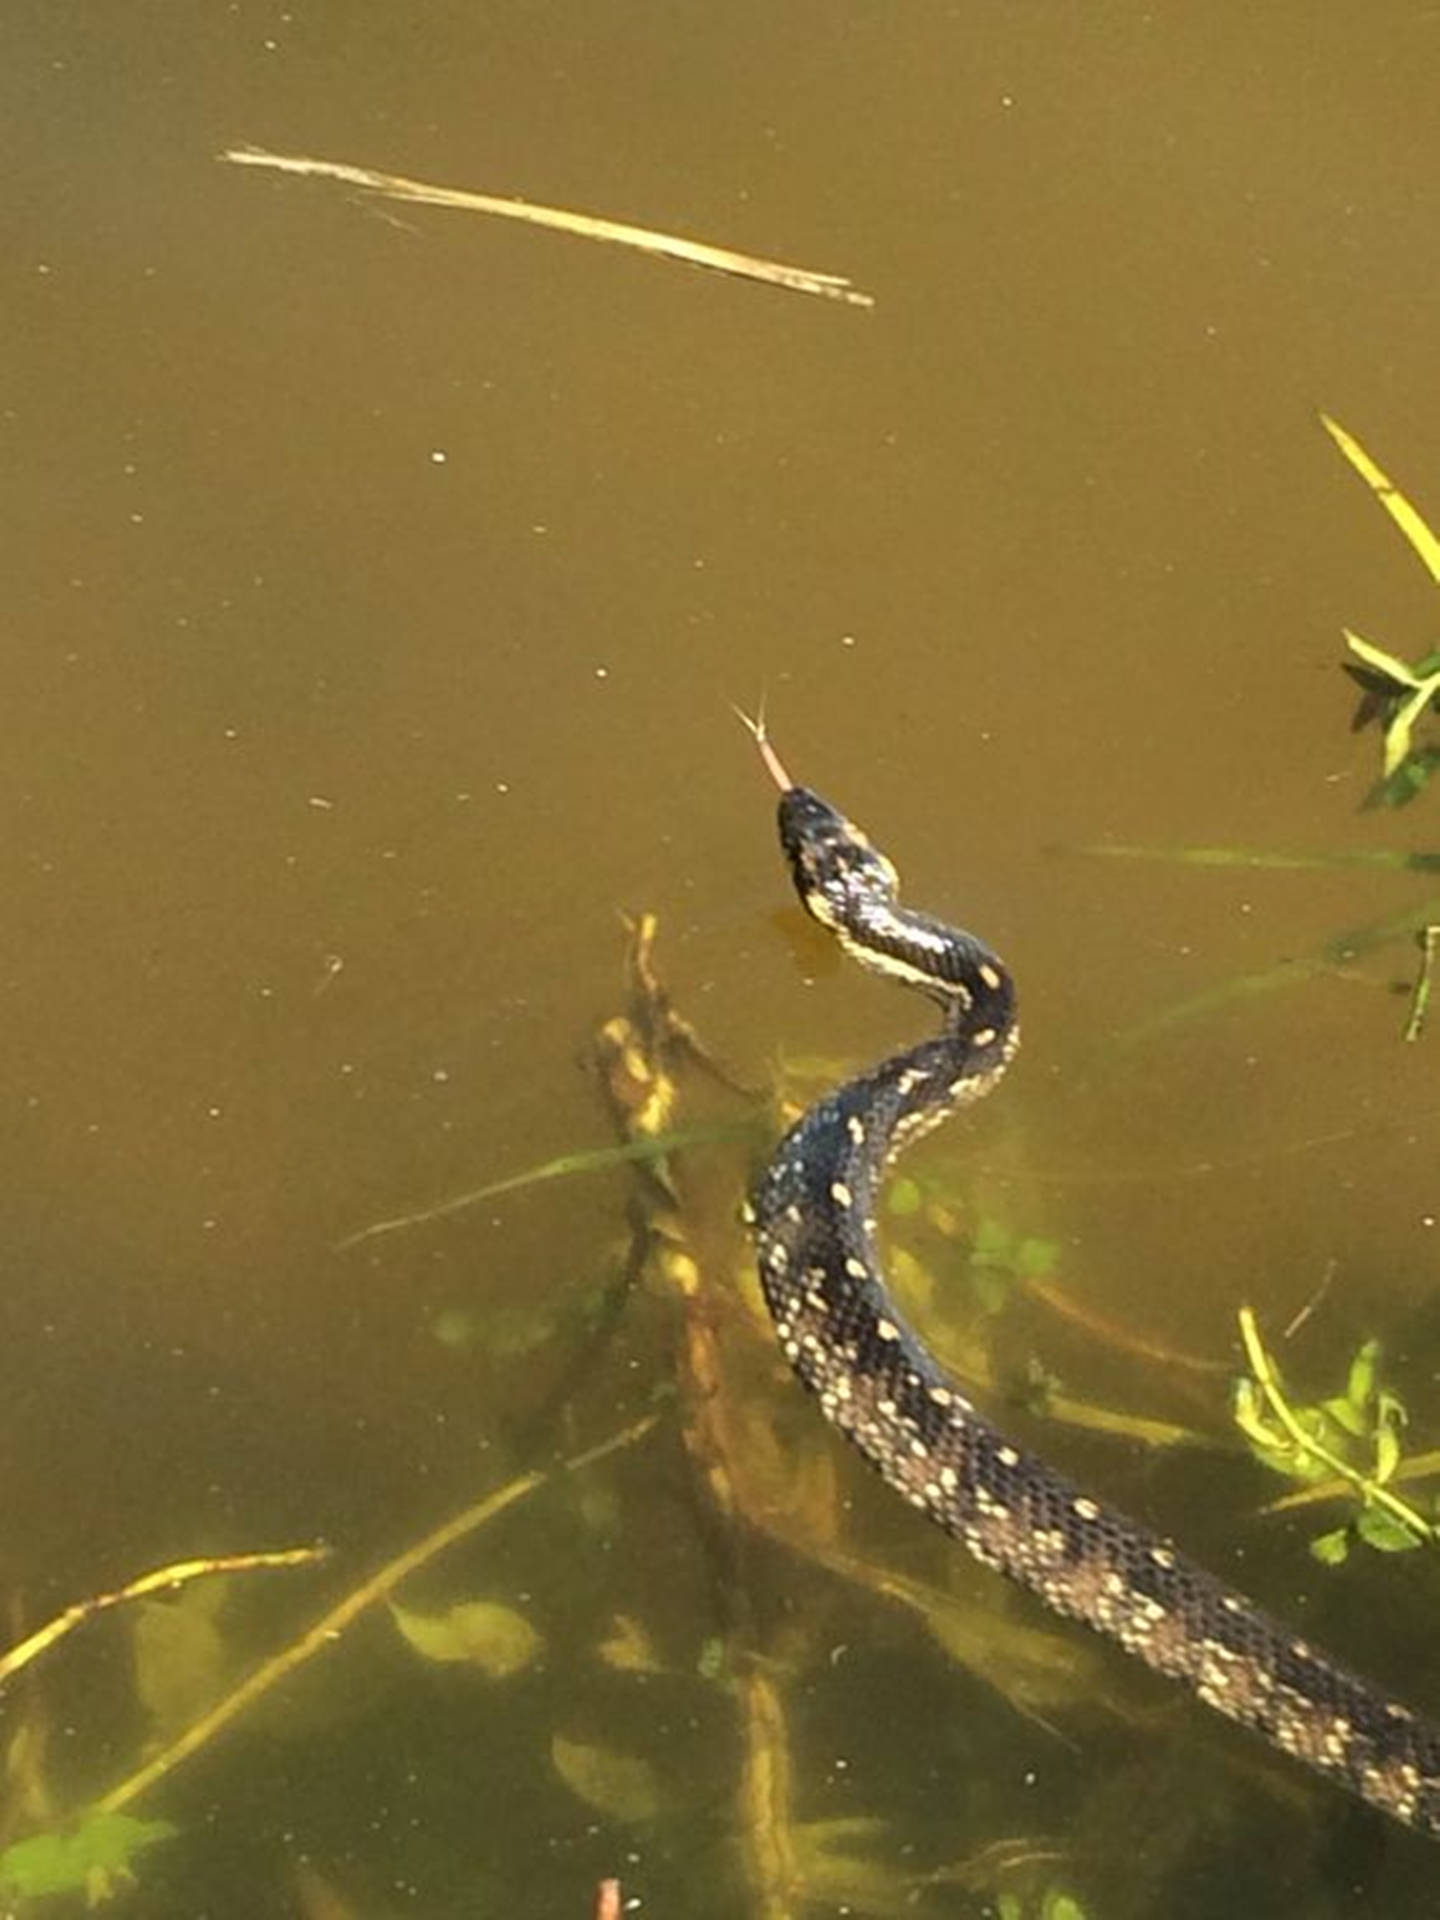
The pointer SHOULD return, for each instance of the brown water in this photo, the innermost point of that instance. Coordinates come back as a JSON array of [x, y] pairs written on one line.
[[377, 579]]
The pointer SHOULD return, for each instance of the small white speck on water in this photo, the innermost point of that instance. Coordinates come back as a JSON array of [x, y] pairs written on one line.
[[602, 673], [502, 786], [438, 456]]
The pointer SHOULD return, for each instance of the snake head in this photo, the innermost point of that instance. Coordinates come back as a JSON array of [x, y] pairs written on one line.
[[835, 869]]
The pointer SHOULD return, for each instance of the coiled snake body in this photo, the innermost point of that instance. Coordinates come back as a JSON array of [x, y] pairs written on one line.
[[813, 1214]]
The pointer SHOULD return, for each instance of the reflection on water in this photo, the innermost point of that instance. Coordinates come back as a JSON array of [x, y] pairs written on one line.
[[377, 585]]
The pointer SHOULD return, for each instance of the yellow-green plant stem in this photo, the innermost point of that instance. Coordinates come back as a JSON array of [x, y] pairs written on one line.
[[162, 1580], [1368, 1490]]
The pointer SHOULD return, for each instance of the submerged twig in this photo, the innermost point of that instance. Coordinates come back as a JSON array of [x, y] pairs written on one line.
[[163, 1580], [695, 253], [327, 1630]]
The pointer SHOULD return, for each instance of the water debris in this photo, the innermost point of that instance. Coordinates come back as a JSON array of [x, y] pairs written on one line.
[[695, 253], [1429, 938]]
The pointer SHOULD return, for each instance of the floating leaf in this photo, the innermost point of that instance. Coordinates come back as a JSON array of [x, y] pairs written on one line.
[[477, 1633], [93, 1857], [628, 1647], [617, 1784]]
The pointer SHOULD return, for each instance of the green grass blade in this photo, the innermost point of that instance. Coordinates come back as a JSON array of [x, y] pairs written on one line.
[[588, 1160]]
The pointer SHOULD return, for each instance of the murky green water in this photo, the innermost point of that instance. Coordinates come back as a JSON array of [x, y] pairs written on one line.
[[377, 580]]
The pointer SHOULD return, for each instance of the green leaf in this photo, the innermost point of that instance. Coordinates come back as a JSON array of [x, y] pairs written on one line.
[[1352, 1419], [92, 1857], [1037, 1259], [1383, 1531], [618, 1784], [1360, 1384], [1406, 517], [1061, 1906], [476, 1633], [1399, 673], [993, 1246], [181, 1658], [1399, 730], [1330, 1549]]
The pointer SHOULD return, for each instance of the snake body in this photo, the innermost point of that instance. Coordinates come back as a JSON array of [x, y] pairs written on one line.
[[813, 1214]]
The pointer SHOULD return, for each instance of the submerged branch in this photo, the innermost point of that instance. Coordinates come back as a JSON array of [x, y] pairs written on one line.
[[163, 1580]]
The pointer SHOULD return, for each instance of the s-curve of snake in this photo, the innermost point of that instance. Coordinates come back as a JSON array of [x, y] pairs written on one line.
[[813, 1217]]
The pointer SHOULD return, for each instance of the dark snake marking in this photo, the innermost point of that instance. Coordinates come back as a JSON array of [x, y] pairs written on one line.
[[814, 1223]]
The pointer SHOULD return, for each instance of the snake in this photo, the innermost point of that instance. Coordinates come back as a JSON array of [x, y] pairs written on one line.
[[812, 1214]]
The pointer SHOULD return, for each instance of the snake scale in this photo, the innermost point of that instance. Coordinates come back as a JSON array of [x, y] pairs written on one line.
[[813, 1217]]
